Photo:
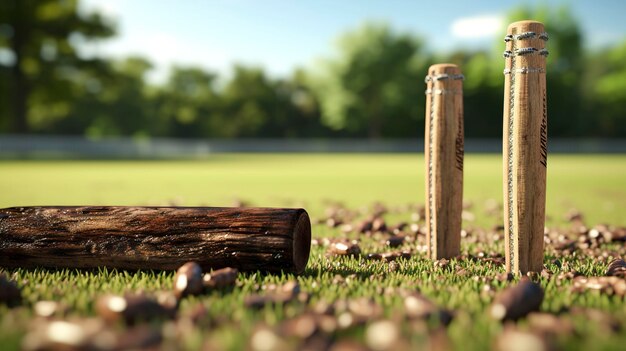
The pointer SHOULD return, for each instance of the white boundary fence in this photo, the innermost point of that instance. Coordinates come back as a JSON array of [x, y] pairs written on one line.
[[31, 146]]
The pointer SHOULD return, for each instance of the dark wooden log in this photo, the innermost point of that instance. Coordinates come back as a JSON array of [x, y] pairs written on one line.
[[162, 238]]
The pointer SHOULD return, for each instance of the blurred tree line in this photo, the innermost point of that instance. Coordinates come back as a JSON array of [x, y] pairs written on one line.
[[373, 86]]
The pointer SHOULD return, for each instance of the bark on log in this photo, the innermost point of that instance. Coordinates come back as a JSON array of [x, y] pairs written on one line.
[[162, 238]]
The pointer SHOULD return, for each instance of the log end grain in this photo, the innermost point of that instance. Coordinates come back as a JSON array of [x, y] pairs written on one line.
[[301, 242]]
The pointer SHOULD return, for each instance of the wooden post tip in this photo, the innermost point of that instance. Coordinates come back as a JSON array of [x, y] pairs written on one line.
[[526, 25], [444, 68]]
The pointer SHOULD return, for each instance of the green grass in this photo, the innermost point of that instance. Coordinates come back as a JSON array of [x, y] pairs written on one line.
[[594, 184]]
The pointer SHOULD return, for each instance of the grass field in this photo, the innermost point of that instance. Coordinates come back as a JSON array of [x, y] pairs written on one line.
[[592, 184]]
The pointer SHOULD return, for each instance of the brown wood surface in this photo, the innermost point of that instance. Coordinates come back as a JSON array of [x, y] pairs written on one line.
[[444, 160], [525, 148], [162, 238]]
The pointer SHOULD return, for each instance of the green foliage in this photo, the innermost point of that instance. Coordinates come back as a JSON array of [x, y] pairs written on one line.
[[182, 106], [372, 86], [43, 36], [607, 92]]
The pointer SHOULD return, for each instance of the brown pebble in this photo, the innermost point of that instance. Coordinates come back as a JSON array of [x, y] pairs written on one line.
[[49, 309], [288, 292], [131, 308], [167, 299], [379, 225], [333, 222], [374, 256], [516, 340], [323, 307], [188, 280], [344, 249], [395, 241], [617, 268], [461, 272], [516, 302], [347, 228], [606, 285], [546, 323], [392, 266], [417, 306], [302, 326], [10, 294], [257, 301], [602, 319], [364, 226], [140, 337], [438, 340], [220, 278], [265, 339], [574, 216], [389, 256], [364, 308], [316, 342], [398, 228], [382, 335], [84, 334], [441, 263], [546, 274], [504, 277], [196, 314], [328, 324], [347, 345]]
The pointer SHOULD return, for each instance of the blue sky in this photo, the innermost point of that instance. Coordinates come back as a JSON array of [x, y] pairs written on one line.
[[282, 34]]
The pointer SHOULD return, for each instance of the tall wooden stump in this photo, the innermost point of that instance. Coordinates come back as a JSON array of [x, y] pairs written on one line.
[[525, 145], [444, 160]]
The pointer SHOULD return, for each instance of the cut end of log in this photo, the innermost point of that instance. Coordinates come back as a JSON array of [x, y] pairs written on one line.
[[301, 242]]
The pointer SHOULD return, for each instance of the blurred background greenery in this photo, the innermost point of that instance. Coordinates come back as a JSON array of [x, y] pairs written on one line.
[[371, 87]]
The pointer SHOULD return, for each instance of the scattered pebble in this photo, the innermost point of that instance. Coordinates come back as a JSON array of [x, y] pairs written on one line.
[[416, 306], [347, 345], [606, 285], [48, 309], [131, 308], [10, 294], [617, 268], [220, 278], [546, 323], [364, 308], [518, 301], [516, 340], [381, 335], [395, 241], [265, 339], [286, 293], [344, 249], [86, 334], [188, 280]]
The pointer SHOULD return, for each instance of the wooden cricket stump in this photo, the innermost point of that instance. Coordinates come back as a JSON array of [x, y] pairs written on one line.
[[525, 145], [444, 160], [162, 238]]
